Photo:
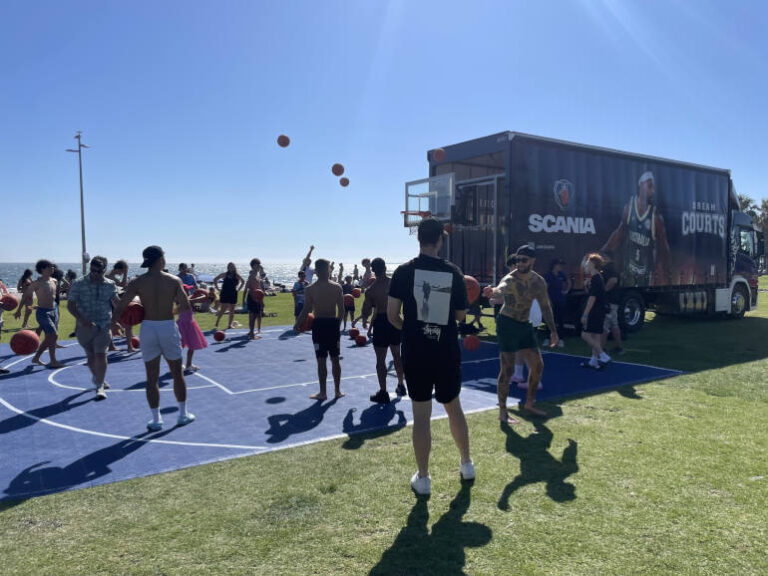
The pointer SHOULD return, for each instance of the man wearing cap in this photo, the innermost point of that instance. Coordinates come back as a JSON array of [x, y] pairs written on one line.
[[158, 292], [430, 347], [643, 234], [514, 331], [189, 282]]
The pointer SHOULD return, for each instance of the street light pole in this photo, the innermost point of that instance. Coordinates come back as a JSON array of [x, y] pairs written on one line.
[[80, 146]]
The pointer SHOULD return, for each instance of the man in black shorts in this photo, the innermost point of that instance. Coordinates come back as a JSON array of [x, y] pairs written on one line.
[[430, 346], [325, 300], [384, 334]]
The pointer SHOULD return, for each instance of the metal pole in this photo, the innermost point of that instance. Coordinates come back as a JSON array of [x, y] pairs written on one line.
[[82, 205]]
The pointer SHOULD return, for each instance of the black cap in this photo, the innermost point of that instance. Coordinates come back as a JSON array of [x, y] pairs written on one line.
[[526, 250], [151, 254], [430, 229]]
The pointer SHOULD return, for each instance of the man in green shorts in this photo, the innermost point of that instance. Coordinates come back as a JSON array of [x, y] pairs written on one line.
[[514, 332]]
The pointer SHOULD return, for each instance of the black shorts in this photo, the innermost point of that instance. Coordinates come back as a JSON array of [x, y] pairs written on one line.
[[384, 334], [254, 306], [326, 336], [425, 372], [595, 322], [297, 307]]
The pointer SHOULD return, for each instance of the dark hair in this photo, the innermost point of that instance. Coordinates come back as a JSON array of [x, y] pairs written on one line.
[[42, 265], [99, 260], [511, 260], [555, 262], [71, 274], [322, 265], [378, 266], [182, 265], [255, 261], [121, 265], [366, 260], [57, 274]]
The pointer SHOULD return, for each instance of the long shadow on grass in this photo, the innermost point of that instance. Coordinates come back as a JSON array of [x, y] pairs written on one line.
[[36, 480], [416, 551], [538, 465], [282, 426], [374, 423]]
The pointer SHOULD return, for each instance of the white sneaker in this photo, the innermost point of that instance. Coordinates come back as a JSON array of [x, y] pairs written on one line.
[[546, 342], [524, 385], [100, 393], [467, 470], [422, 486], [561, 343]]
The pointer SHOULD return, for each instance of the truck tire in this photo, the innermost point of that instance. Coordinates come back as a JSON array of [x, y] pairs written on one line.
[[739, 301], [631, 311]]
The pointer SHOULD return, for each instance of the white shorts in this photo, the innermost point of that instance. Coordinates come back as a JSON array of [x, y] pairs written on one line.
[[160, 337], [612, 318]]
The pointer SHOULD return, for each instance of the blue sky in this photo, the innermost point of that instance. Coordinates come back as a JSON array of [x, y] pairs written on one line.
[[182, 103]]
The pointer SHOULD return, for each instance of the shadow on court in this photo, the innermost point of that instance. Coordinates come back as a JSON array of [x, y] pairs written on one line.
[[375, 422], [441, 552], [283, 426], [37, 479], [28, 419], [537, 465]]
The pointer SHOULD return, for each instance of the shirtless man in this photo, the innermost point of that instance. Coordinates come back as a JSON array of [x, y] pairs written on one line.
[[384, 334], [518, 290], [325, 299], [90, 301], [158, 292], [45, 288]]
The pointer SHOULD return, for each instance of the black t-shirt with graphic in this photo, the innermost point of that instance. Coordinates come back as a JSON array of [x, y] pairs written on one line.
[[609, 271], [431, 290], [596, 288]]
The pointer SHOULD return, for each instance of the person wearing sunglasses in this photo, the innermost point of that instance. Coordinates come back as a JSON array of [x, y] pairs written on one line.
[[514, 331]]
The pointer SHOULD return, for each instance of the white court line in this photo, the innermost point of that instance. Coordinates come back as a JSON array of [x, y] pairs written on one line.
[[52, 380], [119, 437]]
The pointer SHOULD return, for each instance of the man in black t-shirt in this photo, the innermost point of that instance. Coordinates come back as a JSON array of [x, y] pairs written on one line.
[[612, 297], [430, 346]]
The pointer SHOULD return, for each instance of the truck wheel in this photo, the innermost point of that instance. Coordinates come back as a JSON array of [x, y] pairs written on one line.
[[632, 312], [738, 301]]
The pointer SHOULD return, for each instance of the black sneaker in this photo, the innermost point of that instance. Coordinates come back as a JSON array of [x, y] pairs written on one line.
[[400, 390], [382, 397]]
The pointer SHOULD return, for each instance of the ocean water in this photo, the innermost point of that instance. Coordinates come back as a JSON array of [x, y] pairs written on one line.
[[279, 272]]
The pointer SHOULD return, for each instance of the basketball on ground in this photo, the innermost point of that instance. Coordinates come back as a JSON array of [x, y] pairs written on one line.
[[135, 342], [473, 288], [361, 340], [132, 315], [349, 300], [337, 169], [219, 335], [307, 324], [25, 342], [471, 342], [439, 155], [283, 141], [344, 182], [356, 292], [9, 302], [354, 333]]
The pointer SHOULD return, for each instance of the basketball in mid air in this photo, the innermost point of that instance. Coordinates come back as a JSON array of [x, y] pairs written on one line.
[[283, 141], [337, 169], [439, 155], [344, 182], [473, 288], [471, 342]]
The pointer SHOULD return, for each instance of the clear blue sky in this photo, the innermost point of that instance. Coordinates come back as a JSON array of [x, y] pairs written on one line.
[[182, 102]]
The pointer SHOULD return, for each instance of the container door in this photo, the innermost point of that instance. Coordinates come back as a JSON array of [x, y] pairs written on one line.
[[474, 223]]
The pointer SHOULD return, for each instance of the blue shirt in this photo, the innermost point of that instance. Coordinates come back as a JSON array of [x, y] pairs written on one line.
[[189, 280], [94, 299], [555, 285]]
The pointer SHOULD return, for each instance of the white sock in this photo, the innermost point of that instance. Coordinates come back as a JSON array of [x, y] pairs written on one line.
[[604, 357], [156, 415], [519, 371], [182, 408]]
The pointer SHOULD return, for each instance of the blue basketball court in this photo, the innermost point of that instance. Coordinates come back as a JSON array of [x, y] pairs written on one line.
[[249, 397]]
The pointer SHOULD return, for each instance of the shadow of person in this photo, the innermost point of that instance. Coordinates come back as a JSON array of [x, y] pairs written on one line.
[[233, 342], [36, 480], [31, 417], [374, 423], [282, 426], [538, 465], [416, 551], [629, 392]]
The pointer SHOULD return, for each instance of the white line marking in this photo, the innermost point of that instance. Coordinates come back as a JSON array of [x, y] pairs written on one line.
[[52, 380]]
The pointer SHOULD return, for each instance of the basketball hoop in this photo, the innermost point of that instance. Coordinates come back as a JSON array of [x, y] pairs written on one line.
[[413, 218]]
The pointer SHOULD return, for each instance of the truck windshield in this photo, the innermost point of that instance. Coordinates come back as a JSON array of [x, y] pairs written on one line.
[[747, 242]]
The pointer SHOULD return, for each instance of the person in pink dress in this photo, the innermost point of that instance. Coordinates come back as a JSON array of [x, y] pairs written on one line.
[[192, 338]]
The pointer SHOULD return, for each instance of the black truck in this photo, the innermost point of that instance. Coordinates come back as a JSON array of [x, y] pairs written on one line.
[[677, 236]]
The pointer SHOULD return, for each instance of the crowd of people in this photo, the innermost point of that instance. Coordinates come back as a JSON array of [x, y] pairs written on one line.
[[415, 315]]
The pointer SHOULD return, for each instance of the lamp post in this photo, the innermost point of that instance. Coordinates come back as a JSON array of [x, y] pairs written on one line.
[[80, 146]]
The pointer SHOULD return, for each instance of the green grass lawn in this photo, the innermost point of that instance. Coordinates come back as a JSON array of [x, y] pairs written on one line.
[[662, 478]]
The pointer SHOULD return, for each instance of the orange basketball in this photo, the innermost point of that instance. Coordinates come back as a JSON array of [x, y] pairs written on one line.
[[219, 335], [9, 302], [344, 182], [307, 325], [361, 340], [356, 292], [199, 292], [24, 342], [337, 169], [349, 301], [283, 141], [473, 288], [135, 342], [354, 333], [438, 155], [471, 342], [132, 315]]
